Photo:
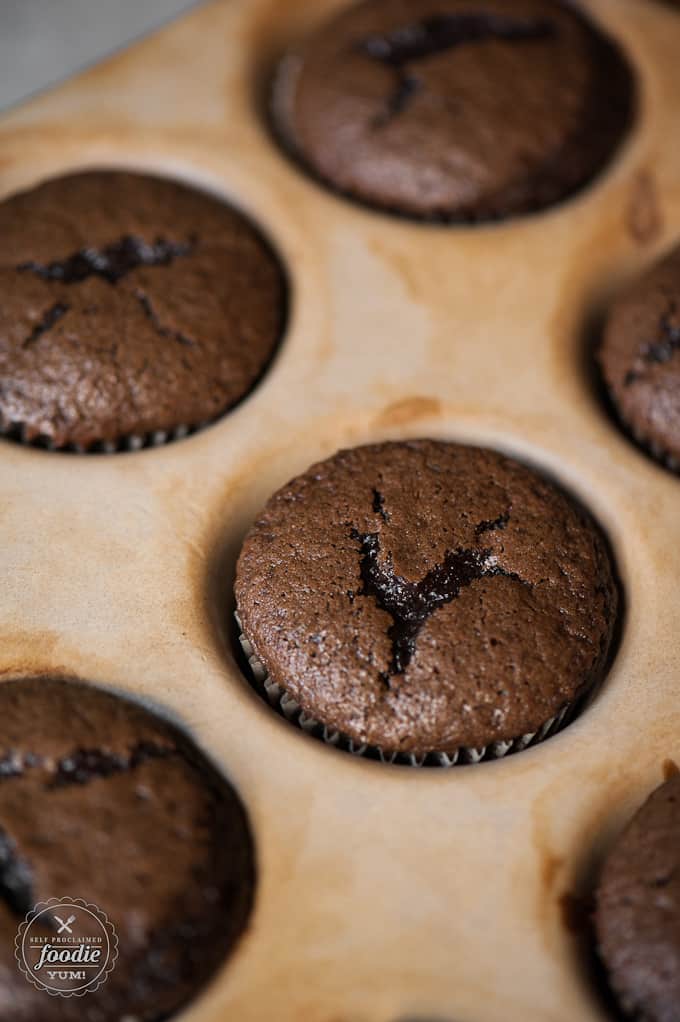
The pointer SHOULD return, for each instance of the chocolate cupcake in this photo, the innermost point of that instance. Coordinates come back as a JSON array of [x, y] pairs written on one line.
[[455, 110], [640, 359], [426, 601], [103, 801], [638, 910], [132, 309]]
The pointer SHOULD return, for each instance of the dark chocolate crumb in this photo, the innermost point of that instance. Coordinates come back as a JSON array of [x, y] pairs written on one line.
[[492, 524]]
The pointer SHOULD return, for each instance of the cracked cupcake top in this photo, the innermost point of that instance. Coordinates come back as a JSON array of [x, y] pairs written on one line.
[[129, 305], [104, 801], [422, 596], [640, 358], [638, 909], [455, 109]]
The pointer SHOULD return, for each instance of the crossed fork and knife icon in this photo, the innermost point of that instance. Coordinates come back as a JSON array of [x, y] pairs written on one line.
[[65, 925]]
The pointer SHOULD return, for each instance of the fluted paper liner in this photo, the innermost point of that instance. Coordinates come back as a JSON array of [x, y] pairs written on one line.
[[288, 707], [17, 432]]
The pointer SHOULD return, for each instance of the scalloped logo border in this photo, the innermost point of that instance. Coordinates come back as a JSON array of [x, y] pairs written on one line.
[[102, 919]]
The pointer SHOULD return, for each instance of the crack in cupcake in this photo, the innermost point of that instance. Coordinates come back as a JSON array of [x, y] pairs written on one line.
[[405, 46], [85, 765], [81, 765], [49, 320], [132, 310], [663, 349], [426, 599], [411, 603], [111, 263], [160, 328], [668, 345]]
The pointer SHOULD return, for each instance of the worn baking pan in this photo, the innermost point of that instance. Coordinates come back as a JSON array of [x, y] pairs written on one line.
[[384, 892]]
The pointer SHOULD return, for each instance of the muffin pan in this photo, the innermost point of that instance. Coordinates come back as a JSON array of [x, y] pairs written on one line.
[[385, 893]]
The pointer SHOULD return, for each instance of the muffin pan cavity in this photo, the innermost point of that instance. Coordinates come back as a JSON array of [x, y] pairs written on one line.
[[101, 793], [638, 359], [382, 893], [134, 311], [456, 111], [378, 595]]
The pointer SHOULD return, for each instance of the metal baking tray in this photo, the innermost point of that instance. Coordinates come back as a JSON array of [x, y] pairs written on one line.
[[385, 893]]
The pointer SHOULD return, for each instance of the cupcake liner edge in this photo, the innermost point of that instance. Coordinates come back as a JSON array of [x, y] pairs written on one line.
[[286, 706], [17, 432]]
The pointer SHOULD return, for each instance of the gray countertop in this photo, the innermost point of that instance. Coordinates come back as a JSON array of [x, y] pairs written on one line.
[[43, 41]]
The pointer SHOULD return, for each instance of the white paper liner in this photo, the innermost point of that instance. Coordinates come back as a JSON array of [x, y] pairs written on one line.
[[17, 432], [288, 707]]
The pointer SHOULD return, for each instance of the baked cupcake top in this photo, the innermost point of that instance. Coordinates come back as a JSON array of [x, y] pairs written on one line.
[[640, 358], [424, 596], [638, 910], [129, 305], [455, 109], [102, 800]]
